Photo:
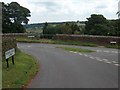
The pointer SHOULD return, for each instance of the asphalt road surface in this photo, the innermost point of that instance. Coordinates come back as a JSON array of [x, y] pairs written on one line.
[[66, 69]]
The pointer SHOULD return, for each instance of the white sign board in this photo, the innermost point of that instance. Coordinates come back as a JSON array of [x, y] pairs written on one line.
[[31, 36], [9, 53], [113, 42]]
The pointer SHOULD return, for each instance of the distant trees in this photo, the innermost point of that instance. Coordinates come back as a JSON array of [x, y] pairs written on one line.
[[45, 28], [13, 16], [64, 28], [99, 25], [95, 25]]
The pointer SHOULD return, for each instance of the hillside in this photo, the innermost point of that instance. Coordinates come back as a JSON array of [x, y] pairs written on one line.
[[37, 27]]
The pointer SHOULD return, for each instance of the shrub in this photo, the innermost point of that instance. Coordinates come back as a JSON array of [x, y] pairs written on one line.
[[8, 42]]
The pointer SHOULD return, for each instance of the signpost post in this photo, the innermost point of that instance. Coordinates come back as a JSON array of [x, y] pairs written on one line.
[[8, 54], [13, 60]]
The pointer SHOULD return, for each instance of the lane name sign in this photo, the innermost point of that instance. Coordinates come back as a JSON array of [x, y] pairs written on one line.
[[10, 53]]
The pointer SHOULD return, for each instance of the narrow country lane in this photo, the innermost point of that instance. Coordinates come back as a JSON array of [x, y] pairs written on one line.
[[64, 69]]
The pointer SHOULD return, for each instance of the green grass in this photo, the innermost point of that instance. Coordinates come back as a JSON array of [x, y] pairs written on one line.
[[113, 46], [30, 40], [50, 41], [76, 49], [74, 43], [21, 73]]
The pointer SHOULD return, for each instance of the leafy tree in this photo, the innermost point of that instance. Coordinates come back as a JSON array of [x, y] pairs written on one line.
[[96, 25], [75, 28], [118, 13], [13, 18], [45, 28], [113, 27], [66, 29]]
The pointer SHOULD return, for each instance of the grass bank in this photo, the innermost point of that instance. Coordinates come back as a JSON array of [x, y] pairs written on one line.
[[76, 49], [113, 46], [50, 41], [21, 73]]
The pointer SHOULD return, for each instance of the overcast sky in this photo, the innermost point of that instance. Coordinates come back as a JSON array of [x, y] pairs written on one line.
[[67, 10]]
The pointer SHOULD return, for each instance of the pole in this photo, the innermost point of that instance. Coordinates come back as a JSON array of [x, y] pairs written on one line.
[[7, 63], [13, 60]]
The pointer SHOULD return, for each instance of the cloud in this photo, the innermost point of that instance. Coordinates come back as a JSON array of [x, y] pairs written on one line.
[[62, 10]]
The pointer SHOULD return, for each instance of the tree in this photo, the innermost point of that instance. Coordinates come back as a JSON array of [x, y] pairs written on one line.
[[75, 28], [113, 27], [66, 29], [13, 17], [96, 25], [45, 28], [118, 13]]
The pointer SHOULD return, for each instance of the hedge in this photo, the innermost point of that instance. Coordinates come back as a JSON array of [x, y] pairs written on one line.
[[8, 42]]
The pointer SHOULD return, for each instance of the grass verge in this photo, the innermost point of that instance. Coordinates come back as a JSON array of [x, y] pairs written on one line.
[[30, 40], [50, 41], [76, 49], [113, 46], [21, 73]]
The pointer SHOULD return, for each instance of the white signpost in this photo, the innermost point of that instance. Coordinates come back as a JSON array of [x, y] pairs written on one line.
[[8, 54]]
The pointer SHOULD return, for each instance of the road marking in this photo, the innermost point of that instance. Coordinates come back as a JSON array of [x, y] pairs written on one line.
[[105, 60], [75, 52], [99, 59], [92, 57], [114, 52], [29, 46], [89, 55], [85, 55], [116, 64], [71, 51], [80, 53], [98, 50], [106, 51], [108, 62]]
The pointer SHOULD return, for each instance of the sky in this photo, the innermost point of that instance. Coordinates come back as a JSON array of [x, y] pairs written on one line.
[[67, 10]]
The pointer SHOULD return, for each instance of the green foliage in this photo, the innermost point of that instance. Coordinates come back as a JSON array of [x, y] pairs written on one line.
[[113, 46], [64, 28], [99, 25], [13, 17], [113, 28], [8, 43], [76, 49]]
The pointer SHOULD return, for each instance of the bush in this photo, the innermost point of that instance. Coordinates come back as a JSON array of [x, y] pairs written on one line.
[[8, 42]]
